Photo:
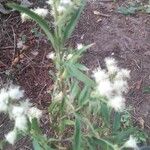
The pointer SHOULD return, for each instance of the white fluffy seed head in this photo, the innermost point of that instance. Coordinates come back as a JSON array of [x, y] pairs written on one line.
[[11, 136], [123, 74], [21, 123], [24, 17], [79, 46], [120, 86], [100, 75], [41, 11], [15, 92], [4, 100], [17, 111], [131, 143], [34, 113], [117, 102], [112, 83], [110, 61], [111, 65], [51, 55], [61, 9], [65, 2], [105, 88]]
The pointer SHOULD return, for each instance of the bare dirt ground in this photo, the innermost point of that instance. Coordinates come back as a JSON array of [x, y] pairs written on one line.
[[124, 37]]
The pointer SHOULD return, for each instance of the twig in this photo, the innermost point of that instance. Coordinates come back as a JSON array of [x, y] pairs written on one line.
[[15, 44], [8, 47]]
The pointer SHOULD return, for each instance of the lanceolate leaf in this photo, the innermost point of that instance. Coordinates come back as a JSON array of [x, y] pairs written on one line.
[[117, 121], [77, 135], [36, 145], [79, 75], [42, 23], [102, 143], [73, 22], [84, 95], [105, 112]]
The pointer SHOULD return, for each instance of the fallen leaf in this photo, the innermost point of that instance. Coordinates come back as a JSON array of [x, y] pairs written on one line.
[[138, 84], [141, 122]]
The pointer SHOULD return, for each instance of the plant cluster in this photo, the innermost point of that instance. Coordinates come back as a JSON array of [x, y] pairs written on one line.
[[133, 7], [21, 112], [85, 112]]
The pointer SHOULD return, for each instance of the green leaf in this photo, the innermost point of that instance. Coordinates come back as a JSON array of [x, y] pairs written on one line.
[[83, 49], [73, 21], [40, 142], [102, 143], [36, 145], [105, 112], [42, 23], [84, 95], [79, 75], [75, 89], [35, 126], [77, 134], [81, 67], [66, 122], [146, 90], [90, 144], [117, 121], [120, 136]]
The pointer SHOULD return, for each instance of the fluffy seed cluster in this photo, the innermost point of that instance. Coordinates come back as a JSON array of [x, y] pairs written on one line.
[[112, 83], [18, 111], [60, 6], [131, 143], [39, 11]]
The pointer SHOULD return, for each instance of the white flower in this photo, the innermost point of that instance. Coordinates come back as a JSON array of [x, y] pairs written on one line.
[[51, 55], [41, 11], [131, 143], [105, 88], [117, 102], [21, 123], [11, 136], [4, 98], [15, 92], [100, 75], [79, 46], [34, 113]]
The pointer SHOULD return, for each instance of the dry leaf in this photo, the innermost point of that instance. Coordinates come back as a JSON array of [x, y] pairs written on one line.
[[141, 122]]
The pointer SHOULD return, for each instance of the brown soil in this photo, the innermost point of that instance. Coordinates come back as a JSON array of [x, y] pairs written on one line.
[[124, 37]]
